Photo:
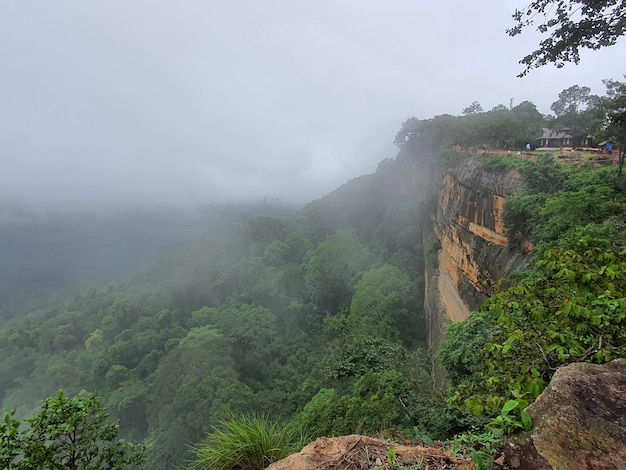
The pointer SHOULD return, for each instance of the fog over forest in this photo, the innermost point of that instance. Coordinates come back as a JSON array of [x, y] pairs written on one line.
[[114, 105], [221, 213]]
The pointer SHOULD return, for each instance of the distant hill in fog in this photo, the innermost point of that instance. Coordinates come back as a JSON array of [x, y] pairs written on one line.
[[43, 257]]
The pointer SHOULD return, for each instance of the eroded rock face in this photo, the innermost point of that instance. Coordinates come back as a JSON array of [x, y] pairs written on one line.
[[579, 422], [474, 248]]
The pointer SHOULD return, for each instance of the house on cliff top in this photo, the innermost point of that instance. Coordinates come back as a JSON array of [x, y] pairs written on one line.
[[562, 138]]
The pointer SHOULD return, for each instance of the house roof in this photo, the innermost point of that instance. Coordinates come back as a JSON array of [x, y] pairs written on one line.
[[552, 134]]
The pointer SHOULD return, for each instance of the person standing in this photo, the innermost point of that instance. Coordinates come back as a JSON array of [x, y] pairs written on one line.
[[527, 148]]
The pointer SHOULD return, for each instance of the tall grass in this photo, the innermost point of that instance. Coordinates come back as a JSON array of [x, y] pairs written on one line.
[[247, 443]]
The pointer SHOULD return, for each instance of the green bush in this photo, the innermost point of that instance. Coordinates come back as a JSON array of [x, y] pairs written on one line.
[[432, 251], [450, 158], [498, 164], [573, 311], [558, 200], [247, 443], [544, 175], [68, 433]]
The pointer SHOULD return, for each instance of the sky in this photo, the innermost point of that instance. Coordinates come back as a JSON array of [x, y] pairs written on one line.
[[106, 105]]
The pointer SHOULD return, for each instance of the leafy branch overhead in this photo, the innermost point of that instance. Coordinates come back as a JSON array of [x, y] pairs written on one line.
[[571, 26]]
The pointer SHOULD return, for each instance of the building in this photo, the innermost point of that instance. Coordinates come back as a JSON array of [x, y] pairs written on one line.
[[561, 138]]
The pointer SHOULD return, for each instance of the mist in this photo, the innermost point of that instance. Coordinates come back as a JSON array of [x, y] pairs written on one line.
[[117, 105]]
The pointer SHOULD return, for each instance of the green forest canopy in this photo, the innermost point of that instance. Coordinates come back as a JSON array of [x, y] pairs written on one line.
[[317, 318]]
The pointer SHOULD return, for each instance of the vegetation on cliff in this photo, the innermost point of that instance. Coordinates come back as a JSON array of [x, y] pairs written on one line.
[[272, 319], [316, 319], [567, 307]]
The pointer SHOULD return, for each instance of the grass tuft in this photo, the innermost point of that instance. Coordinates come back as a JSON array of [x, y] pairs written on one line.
[[247, 443]]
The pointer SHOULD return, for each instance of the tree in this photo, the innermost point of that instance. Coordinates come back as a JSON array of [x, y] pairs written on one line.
[[614, 107], [575, 111], [333, 268], [570, 100], [410, 128], [384, 306], [68, 434], [499, 107], [10, 441], [195, 384], [526, 124], [251, 330], [571, 25], [474, 108]]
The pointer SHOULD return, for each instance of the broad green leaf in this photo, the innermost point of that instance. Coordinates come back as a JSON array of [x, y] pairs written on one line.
[[509, 406], [527, 422]]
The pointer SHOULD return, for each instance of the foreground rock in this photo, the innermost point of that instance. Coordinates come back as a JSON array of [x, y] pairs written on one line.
[[361, 452], [579, 422]]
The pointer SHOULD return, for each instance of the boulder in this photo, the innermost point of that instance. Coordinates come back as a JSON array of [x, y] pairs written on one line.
[[361, 453], [579, 422]]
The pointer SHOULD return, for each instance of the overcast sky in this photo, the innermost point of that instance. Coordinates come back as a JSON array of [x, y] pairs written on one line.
[[113, 104]]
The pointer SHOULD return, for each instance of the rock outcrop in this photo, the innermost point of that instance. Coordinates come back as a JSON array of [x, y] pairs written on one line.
[[475, 252], [362, 452], [579, 422]]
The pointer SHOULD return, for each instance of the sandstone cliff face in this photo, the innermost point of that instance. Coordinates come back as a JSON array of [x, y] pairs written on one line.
[[474, 249]]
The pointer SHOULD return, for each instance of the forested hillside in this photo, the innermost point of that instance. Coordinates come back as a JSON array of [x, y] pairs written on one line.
[[324, 305], [44, 255], [315, 319]]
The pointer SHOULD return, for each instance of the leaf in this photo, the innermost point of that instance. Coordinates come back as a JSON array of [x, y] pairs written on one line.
[[475, 407], [534, 388], [527, 422], [509, 406]]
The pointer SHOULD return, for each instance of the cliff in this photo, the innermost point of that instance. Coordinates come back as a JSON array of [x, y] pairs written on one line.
[[474, 251]]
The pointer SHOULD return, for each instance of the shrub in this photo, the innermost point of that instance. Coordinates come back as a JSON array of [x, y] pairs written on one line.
[[498, 164], [68, 433], [432, 251], [247, 443], [573, 311]]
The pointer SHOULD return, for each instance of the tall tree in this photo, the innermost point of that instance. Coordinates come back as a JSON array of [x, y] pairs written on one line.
[[195, 384], [474, 108], [571, 25], [332, 269], [526, 124], [614, 107], [571, 100], [410, 128], [384, 305], [573, 112]]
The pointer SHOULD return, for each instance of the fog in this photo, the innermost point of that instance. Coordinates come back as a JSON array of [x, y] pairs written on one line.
[[118, 104]]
